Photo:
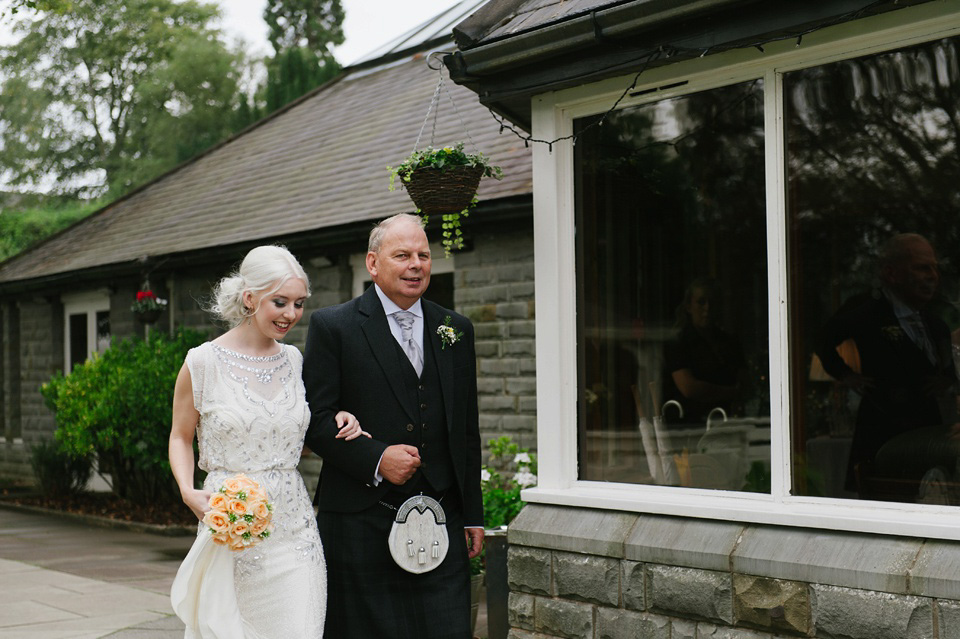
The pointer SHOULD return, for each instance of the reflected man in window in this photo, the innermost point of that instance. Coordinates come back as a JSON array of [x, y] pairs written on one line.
[[704, 365], [906, 365]]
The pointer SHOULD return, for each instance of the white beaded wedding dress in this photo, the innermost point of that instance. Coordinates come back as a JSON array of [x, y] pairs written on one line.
[[253, 416]]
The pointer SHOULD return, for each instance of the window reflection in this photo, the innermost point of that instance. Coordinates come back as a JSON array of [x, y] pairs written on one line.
[[872, 208], [672, 314]]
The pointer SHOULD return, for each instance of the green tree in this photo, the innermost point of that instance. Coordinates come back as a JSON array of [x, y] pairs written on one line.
[[20, 230], [293, 72], [112, 92], [60, 6], [315, 24], [301, 32]]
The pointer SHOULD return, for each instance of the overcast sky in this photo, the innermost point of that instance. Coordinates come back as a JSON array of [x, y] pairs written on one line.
[[368, 23]]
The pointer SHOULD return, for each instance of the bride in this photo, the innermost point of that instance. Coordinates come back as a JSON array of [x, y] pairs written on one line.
[[241, 395]]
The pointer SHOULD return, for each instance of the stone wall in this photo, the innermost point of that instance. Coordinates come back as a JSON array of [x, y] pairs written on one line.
[[593, 574], [41, 355], [495, 289]]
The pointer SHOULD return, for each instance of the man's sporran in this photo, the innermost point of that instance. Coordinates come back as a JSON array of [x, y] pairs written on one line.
[[418, 539]]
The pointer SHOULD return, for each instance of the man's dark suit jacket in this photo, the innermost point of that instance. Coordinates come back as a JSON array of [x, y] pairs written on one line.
[[900, 399], [352, 362]]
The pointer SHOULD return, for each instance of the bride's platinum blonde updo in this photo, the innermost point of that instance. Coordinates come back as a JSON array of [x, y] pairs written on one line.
[[264, 270]]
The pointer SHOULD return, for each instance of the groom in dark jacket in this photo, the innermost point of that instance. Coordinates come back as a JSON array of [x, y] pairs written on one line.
[[406, 368]]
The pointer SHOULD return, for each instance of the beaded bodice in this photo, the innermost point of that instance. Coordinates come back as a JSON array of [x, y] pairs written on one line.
[[253, 411]]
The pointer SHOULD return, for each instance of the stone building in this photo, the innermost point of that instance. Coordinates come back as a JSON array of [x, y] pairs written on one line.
[[312, 177], [721, 189]]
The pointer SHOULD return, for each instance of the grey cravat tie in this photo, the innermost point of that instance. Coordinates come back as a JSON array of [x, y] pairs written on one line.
[[405, 319], [920, 337]]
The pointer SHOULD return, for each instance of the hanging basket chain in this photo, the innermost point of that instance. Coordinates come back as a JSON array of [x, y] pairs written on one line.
[[433, 102], [460, 116], [444, 181]]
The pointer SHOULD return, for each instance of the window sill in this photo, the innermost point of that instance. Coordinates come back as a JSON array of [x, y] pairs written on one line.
[[884, 518]]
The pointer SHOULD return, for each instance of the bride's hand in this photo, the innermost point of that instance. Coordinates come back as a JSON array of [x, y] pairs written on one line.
[[349, 426], [197, 501]]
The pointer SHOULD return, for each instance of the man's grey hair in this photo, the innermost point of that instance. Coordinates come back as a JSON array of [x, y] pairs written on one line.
[[380, 230]]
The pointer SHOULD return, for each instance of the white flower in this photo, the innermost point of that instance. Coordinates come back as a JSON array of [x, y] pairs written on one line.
[[484, 474], [448, 334], [525, 478], [522, 458]]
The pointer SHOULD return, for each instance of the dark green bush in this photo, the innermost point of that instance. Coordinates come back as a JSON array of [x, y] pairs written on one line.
[[117, 406], [59, 472]]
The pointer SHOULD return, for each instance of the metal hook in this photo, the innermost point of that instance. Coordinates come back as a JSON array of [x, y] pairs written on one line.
[[433, 53]]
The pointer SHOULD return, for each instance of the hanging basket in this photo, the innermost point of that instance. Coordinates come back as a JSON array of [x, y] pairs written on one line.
[[149, 317], [437, 192]]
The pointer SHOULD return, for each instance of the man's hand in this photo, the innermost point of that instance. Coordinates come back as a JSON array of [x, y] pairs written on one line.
[[398, 463], [474, 541]]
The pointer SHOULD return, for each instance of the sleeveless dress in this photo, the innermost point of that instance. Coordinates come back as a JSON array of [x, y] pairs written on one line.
[[253, 416]]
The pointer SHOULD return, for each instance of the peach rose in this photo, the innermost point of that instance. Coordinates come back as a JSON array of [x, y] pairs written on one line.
[[239, 528], [259, 509], [246, 483], [258, 527], [237, 507], [257, 493], [216, 520], [232, 485], [236, 543], [220, 538], [218, 501]]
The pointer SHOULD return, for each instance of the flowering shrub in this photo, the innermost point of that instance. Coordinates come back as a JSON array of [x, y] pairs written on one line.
[[148, 301], [117, 406], [511, 469]]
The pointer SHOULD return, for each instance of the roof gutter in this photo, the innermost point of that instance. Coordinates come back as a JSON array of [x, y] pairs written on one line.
[[536, 45]]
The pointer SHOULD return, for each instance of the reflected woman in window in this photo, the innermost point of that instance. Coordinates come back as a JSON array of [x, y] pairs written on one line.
[[704, 364]]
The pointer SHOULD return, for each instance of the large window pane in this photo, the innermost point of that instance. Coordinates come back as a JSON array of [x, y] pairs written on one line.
[[873, 174], [672, 314]]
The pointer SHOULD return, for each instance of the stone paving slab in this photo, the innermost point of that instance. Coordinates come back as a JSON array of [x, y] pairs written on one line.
[[66, 578], [61, 578]]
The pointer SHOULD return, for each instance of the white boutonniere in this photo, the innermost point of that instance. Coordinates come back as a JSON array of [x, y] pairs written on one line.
[[448, 334]]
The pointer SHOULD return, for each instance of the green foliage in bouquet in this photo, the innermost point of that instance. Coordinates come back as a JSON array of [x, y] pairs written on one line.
[[511, 468], [118, 406]]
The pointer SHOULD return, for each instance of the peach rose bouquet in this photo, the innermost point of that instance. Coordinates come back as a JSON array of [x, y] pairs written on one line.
[[240, 515]]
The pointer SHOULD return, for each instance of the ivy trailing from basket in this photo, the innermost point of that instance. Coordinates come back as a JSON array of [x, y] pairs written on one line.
[[444, 182]]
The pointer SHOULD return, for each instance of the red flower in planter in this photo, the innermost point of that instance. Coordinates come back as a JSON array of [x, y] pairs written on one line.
[[148, 301]]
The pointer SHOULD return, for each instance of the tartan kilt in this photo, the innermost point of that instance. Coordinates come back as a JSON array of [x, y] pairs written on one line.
[[369, 596]]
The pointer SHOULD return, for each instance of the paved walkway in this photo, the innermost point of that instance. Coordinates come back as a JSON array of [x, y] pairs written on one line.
[[63, 578]]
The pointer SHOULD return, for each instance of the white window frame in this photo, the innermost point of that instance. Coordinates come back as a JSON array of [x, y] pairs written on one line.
[[88, 303], [553, 202], [358, 264]]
